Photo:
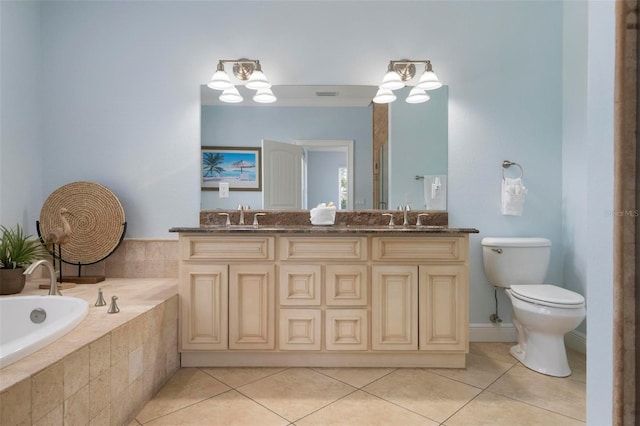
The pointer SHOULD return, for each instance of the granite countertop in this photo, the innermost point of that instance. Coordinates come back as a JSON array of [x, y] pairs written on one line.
[[346, 222], [331, 229]]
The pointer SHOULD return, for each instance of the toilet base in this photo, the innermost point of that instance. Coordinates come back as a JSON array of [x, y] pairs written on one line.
[[543, 354]]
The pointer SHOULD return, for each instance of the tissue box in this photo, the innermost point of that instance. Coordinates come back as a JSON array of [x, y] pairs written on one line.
[[323, 215]]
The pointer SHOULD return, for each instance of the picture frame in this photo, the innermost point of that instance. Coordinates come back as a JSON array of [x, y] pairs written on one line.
[[240, 167]]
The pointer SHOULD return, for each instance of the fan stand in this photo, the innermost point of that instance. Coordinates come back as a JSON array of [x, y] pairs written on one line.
[[68, 281]]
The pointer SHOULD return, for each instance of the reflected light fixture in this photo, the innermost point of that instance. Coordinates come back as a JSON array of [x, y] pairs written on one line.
[[248, 70], [399, 73]]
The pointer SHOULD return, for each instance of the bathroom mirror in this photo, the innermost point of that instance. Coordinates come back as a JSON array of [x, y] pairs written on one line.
[[417, 140]]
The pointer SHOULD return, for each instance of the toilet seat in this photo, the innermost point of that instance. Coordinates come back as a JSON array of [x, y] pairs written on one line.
[[548, 295]]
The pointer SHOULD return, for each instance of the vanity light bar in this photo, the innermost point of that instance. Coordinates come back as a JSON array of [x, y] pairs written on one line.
[[248, 70], [401, 71]]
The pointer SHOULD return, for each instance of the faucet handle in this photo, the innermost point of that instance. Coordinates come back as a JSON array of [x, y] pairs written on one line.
[[419, 221], [228, 221], [391, 222], [255, 218]]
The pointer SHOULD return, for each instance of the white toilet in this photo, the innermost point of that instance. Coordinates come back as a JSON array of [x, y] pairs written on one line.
[[542, 313]]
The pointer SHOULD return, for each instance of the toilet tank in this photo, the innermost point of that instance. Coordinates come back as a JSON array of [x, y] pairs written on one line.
[[509, 261]]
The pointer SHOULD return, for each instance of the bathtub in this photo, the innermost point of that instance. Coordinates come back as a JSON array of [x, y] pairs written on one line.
[[29, 323]]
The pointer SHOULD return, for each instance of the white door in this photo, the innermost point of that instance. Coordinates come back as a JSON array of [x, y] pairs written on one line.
[[281, 175]]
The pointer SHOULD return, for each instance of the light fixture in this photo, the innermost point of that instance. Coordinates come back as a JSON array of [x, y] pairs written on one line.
[[384, 96], [417, 95], [220, 79], [264, 96], [429, 79], [248, 70], [231, 95], [397, 76]]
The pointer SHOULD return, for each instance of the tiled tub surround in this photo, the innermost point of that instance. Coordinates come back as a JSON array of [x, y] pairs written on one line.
[[135, 258], [103, 371]]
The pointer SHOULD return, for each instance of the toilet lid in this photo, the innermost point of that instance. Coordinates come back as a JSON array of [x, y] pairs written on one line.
[[548, 295]]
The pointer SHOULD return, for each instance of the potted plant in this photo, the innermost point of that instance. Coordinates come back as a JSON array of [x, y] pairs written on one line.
[[17, 250]]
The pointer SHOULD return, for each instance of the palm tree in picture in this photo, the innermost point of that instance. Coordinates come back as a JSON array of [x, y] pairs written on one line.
[[211, 163]]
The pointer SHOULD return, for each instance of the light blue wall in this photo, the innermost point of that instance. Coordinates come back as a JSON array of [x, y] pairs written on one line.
[[323, 178], [417, 146], [247, 126], [22, 166], [121, 106]]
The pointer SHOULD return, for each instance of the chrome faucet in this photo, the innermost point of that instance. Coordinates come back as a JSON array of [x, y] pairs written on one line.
[[241, 209], [406, 210], [53, 289]]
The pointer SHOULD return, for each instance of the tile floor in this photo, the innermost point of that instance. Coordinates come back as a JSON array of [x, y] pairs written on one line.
[[494, 390]]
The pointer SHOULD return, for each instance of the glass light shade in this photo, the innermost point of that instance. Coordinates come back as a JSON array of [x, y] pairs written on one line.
[[257, 81], [220, 81], [392, 81], [417, 95], [384, 96], [231, 96], [264, 96], [429, 81]]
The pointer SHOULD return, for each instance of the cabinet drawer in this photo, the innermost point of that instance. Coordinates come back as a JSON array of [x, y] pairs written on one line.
[[226, 248], [346, 285], [346, 329], [453, 249], [300, 284], [323, 248], [300, 329]]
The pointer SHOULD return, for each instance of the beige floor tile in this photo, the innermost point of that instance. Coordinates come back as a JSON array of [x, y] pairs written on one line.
[[357, 377], [578, 365], [480, 371], [489, 409], [228, 409], [428, 394], [236, 377], [498, 351], [560, 395], [361, 408], [296, 392], [187, 387]]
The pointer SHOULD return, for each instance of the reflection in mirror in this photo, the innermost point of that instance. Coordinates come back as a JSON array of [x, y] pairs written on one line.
[[330, 113]]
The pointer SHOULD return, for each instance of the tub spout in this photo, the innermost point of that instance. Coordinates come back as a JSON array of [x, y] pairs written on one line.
[[53, 290]]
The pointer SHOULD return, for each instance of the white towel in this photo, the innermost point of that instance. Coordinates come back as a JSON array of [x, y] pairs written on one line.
[[513, 195], [435, 192]]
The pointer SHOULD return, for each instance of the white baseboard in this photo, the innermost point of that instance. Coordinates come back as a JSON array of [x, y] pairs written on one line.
[[577, 341], [506, 332], [492, 332]]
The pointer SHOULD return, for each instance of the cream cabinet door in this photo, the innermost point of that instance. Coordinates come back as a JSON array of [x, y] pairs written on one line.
[[251, 307], [346, 329], [203, 306], [443, 307], [394, 310]]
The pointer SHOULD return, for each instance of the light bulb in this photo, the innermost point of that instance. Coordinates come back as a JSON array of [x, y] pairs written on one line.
[[429, 81], [257, 81], [231, 96], [220, 81], [417, 95], [384, 96], [392, 81], [264, 96]]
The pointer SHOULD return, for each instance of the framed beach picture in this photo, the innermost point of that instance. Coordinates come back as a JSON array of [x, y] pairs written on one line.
[[238, 166]]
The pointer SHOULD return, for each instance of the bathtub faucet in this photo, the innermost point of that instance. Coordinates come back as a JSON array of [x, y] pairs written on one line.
[[53, 290]]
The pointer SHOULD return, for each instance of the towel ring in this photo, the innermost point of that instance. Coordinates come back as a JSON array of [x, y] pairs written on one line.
[[506, 164]]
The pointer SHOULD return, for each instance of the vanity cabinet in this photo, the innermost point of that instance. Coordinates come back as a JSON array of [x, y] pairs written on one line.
[[306, 299]]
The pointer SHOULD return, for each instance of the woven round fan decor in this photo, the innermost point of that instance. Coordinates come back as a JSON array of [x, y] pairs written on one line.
[[96, 217]]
